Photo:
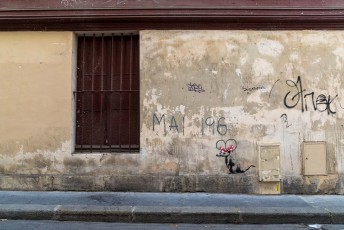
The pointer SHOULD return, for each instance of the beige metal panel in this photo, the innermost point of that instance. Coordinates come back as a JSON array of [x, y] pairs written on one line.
[[269, 162], [314, 158]]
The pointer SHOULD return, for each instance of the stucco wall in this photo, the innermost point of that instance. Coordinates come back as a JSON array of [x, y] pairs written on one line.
[[36, 101], [283, 87], [197, 88]]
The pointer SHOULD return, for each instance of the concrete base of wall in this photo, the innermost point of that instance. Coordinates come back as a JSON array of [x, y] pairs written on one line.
[[330, 184], [236, 184]]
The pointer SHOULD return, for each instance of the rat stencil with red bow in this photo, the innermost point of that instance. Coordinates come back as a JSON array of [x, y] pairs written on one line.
[[227, 149]]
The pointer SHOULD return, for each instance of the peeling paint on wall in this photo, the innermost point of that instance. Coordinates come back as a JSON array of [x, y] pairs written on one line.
[[197, 87], [263, 86]]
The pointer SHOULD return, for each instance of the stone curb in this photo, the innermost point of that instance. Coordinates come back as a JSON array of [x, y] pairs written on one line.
[[158, 214]]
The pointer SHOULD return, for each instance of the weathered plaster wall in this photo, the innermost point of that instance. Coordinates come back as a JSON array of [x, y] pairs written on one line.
[[35, 98], [197, 87], [250, 82]]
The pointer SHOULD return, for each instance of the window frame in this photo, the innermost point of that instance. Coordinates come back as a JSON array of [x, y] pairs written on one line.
[[133, 60]]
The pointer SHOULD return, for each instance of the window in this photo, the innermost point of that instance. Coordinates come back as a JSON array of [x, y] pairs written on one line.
[[107, 96]]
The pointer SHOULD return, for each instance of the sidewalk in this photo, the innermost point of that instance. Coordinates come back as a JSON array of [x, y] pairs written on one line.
[[172, 207]]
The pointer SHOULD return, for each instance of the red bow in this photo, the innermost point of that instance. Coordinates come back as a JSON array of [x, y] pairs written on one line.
[[226, 150]]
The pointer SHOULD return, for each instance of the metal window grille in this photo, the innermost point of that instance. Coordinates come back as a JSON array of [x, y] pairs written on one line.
[[107, 96]]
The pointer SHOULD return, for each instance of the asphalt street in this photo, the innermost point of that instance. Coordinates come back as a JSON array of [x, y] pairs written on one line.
[[66, 225]]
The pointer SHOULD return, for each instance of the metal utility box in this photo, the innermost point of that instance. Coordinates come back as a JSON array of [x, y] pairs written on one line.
[[269, 162], [314, 158]]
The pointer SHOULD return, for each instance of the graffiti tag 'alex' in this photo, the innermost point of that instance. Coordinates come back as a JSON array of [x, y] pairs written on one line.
[[214, 125], [297, 94]]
